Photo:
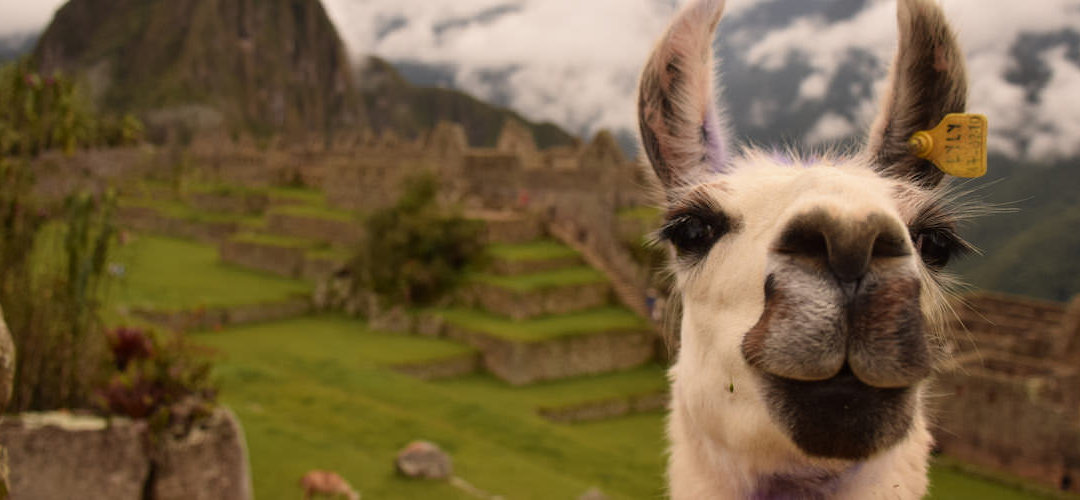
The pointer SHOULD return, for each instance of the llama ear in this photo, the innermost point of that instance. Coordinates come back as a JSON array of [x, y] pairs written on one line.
[[927, 82], [682, 129]]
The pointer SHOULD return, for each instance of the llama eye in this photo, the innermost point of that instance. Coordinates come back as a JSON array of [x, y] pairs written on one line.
[[694, 234], [937, 246]]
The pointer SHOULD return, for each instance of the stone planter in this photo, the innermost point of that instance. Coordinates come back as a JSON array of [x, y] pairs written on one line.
[[57, 455]]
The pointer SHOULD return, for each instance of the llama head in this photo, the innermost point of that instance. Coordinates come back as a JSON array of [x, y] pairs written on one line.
[[807, 286]]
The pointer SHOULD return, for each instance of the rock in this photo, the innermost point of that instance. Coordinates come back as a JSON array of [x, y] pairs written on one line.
[[181, 468], [56, 455], [593, 494], [421, 459], [7, 363], [7, 377]]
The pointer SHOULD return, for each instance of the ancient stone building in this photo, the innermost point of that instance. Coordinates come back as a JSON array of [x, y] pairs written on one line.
[[1010, 397]]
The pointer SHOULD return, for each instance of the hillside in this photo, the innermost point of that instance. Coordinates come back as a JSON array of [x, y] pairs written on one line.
[[1032, 247], [275, 66], [393, 103], [272, 64]]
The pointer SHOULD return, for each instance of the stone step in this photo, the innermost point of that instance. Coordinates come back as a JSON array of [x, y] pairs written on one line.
[[508, 227], [272, 254], [283, 256], [210, 228], [607, 408], [526, 296], [214, 318], [532, 257], [443, 368], [555, 347], [339, 228]]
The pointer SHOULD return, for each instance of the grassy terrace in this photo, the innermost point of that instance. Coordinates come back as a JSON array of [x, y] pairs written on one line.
[[299, 195], [593, 321], [179, 210], [538, 250], [171, 274], [642, 380], [316, 212], [314, 393], [275, 240], [570, 276]]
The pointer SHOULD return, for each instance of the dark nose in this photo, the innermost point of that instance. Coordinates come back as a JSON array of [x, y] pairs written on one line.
[[847, 245]]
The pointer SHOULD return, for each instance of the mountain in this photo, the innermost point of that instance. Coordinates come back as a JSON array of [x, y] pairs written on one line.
[[393, 103], [1030, 246], [263, 66], [266, 64]]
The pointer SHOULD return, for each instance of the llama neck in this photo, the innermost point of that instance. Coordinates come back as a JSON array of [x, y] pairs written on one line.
[[701, 467]]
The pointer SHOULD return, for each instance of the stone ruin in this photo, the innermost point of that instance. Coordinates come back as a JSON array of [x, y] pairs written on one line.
[[1009, 399]]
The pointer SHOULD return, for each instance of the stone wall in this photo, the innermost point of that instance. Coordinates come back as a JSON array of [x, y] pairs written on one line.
[[341, 232], [436, 369], [149, 220], [607, 408], [280, 260], [521, 305], [58, 455], [216, 317], [522, 363], [1005, 412], [1005, 323]]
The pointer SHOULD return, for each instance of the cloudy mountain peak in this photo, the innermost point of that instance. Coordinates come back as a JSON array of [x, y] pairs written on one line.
[[806, 70]]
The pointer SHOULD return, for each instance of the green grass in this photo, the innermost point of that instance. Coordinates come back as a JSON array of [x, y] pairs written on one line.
[[580, 323], [311, 394], [275, 240], [179, 210], [222, 189], [301, 195], [571, 276], [317, 212], [330, 253], [538, 250], [336, 334], [172, 274], [643, 380]]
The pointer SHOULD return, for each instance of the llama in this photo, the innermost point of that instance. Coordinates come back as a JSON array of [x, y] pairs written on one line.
[[323, 482], [809, 288]]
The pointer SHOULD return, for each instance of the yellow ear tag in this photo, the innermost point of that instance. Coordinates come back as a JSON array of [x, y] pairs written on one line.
[[957, 145]]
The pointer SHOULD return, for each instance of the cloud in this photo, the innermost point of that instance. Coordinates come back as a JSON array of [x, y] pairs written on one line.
[[988, 32], [23, 16], [576, 62]]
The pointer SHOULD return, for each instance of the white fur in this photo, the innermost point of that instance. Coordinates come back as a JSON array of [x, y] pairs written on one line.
[[723, 438]]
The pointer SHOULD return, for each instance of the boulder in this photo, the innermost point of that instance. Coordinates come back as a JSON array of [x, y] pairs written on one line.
[[593, 494], [7, 363], [45, 450], [59, 455], [421, 459], [7, 377], [181, 468]]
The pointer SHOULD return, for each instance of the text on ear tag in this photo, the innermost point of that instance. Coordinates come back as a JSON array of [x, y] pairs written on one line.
[[957, 145]]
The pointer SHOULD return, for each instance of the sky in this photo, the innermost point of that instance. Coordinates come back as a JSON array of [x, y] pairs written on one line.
[[575, 62]]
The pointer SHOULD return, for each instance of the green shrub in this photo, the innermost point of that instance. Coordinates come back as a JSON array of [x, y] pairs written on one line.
[[414, 254], [52, 279]]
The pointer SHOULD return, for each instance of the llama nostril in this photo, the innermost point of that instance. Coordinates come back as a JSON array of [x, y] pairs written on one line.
[[845, 246]]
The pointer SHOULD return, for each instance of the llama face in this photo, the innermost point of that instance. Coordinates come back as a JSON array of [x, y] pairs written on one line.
[[806, 285]]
